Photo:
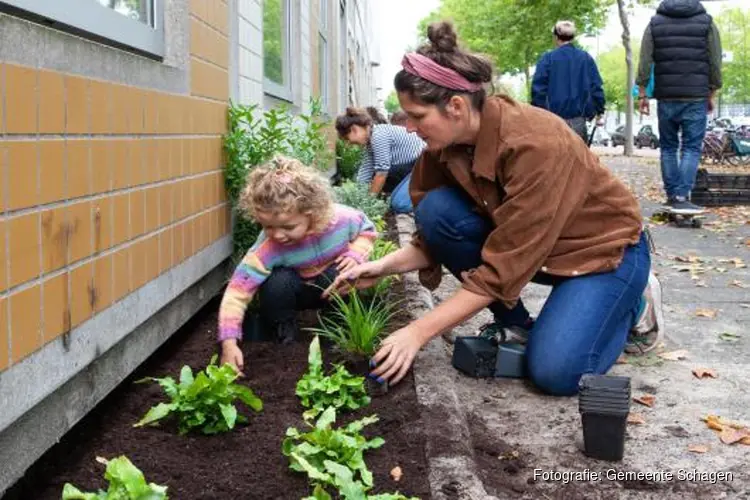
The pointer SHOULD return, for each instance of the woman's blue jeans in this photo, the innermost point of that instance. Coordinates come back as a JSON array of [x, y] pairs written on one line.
[[584, 324]]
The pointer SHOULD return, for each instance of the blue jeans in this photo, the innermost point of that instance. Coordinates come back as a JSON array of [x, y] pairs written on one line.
[[583, 326], [690, 118], [400, 199]]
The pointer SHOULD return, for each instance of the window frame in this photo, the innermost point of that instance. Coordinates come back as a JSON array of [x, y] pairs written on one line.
[[91, 20], [275, 89], [323, 55]]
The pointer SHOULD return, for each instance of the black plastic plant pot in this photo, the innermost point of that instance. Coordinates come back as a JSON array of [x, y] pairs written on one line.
[[603, 408], [592, 384], [604, 435], [511, 361], [475, 356], [619, 400], [375, 388]]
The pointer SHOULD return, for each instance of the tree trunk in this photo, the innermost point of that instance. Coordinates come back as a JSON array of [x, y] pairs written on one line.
[[631, 78], [527, 75]]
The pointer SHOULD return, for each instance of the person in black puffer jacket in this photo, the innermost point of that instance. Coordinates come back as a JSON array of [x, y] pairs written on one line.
[[683, 44]]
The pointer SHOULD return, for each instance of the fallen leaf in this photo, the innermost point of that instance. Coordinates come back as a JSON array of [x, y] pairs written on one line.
[[729, 337], [745, 440], [705, 372], [745, 306], [397, 473], [674, 355], [739, 284], [646, 400], [701, 284], [721, 269], [706, 313], [622, 360], [731, 436], [698, 448], [636, 419], [718, 423]]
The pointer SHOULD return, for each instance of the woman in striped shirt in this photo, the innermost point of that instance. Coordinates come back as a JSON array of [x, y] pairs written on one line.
[[305, 242], [391, 153]]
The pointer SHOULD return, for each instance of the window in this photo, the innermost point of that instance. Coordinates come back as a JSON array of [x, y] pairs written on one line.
[[276, 55], [323, 69], [135, 25]]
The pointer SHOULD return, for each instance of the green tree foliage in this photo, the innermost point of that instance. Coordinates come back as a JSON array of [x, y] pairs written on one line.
[[515, 33], [391, 102], [615, 75], [272, 41], [734, 26]]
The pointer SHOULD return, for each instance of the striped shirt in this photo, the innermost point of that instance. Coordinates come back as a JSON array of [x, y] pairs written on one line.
[[389, 145], [350, 233]]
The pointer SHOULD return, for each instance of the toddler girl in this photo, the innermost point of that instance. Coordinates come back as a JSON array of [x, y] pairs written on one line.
[[305, 242]]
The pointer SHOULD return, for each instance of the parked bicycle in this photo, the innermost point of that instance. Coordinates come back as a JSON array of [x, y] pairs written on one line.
[[729, 147]]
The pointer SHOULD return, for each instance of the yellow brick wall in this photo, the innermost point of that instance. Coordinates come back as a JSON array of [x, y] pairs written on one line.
[[105, 186]]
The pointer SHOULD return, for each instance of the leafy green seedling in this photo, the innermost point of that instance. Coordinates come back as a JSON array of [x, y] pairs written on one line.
[[126, 482], [348, 488], [356, 326], [308, 452], [340, 390], [729, 337], [204, 402]]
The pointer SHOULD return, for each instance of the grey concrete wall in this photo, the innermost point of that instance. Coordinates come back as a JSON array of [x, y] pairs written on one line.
[[102, 367], [30, 44]]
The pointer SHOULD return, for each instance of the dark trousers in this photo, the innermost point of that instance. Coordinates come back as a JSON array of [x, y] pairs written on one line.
[[579, 127], [280, 297], [396, 174]]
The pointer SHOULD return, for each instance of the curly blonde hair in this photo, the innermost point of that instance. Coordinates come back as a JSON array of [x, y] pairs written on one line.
[[286, 185]]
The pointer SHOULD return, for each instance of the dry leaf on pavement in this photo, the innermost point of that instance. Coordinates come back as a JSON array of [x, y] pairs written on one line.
[[706, 313], [622, 360], [646, 400], [397, 473], [739, 284], [698, 448], [674, 355], [636, 419], [731, 436], [705, 373]]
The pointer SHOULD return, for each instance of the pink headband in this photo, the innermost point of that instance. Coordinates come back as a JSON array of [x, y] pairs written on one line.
[[426, 68]]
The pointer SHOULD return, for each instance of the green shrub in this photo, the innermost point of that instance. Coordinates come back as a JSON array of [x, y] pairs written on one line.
[[348, 158], [358, 196], [254, 138]]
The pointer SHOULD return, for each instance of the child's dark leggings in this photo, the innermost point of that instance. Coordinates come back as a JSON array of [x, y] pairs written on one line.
[[280, 297]]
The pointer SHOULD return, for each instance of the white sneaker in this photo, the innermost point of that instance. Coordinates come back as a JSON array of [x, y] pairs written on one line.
[[649, 328]]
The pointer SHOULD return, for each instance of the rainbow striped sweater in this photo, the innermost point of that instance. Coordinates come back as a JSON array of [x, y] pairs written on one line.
[[350, 233]]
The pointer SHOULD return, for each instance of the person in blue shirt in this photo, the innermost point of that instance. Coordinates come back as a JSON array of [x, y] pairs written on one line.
[[567, 82]]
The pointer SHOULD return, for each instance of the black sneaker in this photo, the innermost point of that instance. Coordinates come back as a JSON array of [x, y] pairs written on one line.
[[513, 334], [681, 205]]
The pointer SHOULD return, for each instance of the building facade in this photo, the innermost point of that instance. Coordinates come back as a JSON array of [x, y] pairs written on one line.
[[114, 222]]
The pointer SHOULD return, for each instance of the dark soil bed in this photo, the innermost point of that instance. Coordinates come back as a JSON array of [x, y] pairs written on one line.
[[246, 463]]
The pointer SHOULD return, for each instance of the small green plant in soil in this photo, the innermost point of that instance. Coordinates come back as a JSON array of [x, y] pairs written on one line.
[[321, 452], [348, 158], [340, 389], [205, 401], [358, 196], [381, 248], [350, 489], [126, 482], [355, 325]]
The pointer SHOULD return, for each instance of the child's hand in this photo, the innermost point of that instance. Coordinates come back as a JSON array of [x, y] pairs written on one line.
[[345, 264], [232, 354]]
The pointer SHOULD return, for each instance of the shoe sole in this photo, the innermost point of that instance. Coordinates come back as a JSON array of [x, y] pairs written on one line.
[[656, 294]]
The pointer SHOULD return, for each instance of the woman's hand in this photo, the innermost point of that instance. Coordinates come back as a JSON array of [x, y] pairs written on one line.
[[232, 354], [396, 354], [360, 276]]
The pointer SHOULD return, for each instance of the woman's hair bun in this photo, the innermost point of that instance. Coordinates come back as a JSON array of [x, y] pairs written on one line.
[[442, 36]]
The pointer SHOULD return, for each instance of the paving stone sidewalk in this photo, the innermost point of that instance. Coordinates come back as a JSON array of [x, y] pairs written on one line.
[[501, 435]]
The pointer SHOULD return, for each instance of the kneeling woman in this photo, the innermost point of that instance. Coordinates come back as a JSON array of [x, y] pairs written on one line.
[[390, 154], [506, 194]]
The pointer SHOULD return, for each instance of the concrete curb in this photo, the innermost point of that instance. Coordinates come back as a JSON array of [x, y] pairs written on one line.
[[450, 455]]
